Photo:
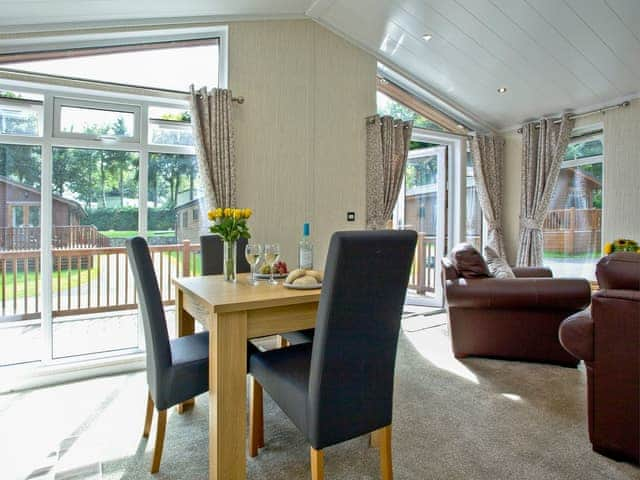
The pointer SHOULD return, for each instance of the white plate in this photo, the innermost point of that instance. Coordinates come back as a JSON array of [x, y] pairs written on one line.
[[302, 287], [267, 276]]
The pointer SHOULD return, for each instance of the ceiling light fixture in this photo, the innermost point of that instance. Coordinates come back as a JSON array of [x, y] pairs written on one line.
[[502, 90], [427, 36]]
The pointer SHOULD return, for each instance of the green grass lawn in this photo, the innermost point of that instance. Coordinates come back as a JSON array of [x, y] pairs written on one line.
[[577, 256], [133, 233], [30, 286]]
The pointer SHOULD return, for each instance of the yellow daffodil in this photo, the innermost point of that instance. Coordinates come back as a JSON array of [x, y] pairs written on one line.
[[227, 212], [247, 212], [608, 248], [211, 214]]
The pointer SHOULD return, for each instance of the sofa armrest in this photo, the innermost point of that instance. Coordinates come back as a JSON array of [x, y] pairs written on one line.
[[532, 272], [576, 335], [519, 293]]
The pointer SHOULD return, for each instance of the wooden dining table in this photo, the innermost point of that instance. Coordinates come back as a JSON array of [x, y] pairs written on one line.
[[234, 313]]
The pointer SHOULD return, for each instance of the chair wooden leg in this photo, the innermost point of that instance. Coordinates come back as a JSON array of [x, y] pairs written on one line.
[[282, 342], [256, 419], [148, 417], [157, 449], [317, 464], [386, 463], [374, 439]]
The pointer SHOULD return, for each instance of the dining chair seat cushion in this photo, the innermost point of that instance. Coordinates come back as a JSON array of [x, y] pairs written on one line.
[[190, 349], [284, 374], [301, 336], [188, 375]]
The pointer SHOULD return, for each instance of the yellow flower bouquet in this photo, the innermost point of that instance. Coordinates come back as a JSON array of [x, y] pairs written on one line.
[[621, 245], [230, 224]]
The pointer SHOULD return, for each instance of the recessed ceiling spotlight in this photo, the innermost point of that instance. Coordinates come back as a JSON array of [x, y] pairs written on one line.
[[502, 90], [460, 126], [427, 36]]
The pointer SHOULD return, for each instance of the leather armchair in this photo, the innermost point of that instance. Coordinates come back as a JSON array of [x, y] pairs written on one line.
[[607, 338], [512, 318]]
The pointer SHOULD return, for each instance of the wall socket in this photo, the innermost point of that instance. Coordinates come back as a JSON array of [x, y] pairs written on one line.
[[351, 216]]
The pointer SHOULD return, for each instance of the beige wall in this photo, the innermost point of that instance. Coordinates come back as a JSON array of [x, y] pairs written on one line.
[[300, 135], [621, 195]]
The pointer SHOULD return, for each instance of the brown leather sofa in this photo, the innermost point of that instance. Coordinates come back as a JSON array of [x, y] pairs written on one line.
[[607, 338], [511, 318]]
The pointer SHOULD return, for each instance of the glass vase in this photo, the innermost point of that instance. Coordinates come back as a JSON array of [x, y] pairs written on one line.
[[229, 261]]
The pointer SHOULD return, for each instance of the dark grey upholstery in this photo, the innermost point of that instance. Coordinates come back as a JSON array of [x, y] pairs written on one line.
[[177, 370], [212, 255], [341, 385]]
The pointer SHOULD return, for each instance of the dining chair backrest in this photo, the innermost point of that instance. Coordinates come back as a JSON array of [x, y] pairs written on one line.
[[212, 255], [356, 335], [152, 312]]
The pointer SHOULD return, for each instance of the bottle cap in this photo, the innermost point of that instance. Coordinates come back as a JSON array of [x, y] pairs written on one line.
[[305, 229]]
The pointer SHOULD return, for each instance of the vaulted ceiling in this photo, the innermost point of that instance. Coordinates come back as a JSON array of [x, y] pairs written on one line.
[[550, 55]]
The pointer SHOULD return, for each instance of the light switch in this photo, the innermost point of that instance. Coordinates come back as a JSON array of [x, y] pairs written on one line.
[[351, 216]]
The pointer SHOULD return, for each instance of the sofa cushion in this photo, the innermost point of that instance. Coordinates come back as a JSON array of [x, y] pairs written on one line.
[[498, 266], [469, 262]]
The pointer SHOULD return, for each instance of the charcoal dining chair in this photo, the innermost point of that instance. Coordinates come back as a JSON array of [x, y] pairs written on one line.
[[340, 386], [177, 370], [213, 255]]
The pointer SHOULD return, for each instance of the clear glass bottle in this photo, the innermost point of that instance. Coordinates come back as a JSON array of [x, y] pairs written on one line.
[[305, 250]]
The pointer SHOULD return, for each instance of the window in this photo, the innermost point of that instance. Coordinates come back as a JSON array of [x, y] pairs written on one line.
[[388, 106], [20, 113], [169, 65], [18, 215], [95, 142], [95, 121], [473, 221], [34, 215], [170, 126], [572, 228]]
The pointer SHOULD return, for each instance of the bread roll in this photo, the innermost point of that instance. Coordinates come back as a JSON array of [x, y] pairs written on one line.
[[315, 274], [297, 273], [307, 280]]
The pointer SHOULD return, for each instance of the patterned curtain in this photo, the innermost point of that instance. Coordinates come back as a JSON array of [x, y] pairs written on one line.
[[488, 169], [387, 150], [213, 133], [543, 149]]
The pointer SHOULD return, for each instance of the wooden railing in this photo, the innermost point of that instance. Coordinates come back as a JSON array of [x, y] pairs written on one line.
[[423, 270], [573, 219], [86, 280], [64, 236], [573, 231]]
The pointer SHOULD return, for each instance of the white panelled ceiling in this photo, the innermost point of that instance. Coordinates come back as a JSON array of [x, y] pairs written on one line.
[[551, 55]]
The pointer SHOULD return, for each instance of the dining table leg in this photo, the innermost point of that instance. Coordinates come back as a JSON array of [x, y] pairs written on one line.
[[227, 395], [185, 325]]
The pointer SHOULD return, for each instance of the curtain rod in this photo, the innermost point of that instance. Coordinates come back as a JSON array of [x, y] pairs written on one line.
[[60, 80], [591, 112]]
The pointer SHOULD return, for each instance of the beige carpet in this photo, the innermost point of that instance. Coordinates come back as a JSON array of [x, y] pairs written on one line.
[[477, 419]]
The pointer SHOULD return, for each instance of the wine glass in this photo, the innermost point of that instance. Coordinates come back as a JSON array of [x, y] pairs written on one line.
[[253, 252], [271, 255]]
